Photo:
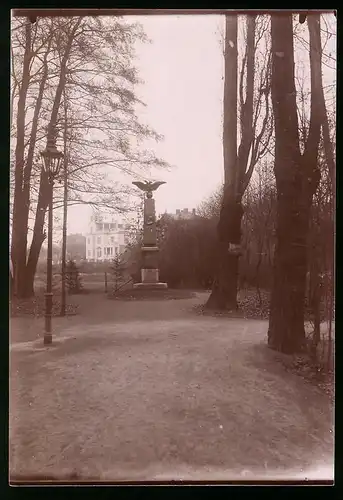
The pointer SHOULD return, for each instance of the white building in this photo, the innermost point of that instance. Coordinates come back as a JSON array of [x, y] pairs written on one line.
[[107, 236]]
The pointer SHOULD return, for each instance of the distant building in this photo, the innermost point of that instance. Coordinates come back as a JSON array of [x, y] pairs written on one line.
[[107, 236], [76, 247], [56, 254], [76, 250], [183, 214]]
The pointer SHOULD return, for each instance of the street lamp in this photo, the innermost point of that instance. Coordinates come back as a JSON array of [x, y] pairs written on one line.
[[51, 160]]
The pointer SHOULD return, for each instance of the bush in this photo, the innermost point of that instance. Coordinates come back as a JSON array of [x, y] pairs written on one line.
[[118, 271], [187, 252], [73, 279]]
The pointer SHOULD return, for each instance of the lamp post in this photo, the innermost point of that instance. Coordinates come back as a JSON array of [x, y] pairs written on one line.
[[51, 160]]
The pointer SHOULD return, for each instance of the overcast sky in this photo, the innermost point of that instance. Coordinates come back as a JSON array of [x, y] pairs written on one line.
[[183, 90], [183, 73]]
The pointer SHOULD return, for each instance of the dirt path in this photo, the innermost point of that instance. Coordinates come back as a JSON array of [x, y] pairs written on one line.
[[96, 308], [125, 396]]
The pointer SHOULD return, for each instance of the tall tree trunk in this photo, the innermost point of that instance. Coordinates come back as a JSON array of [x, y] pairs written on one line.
[[15, 88], [315, 283], [223, 296], [297, 178], [65, 211], [64, 241], [39, 235], [331, 163], [22, 290], [43, 197], [230, 103], [225, 285], [18, 253]]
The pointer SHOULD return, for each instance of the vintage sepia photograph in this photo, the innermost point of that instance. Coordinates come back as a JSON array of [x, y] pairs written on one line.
[[172, 247]]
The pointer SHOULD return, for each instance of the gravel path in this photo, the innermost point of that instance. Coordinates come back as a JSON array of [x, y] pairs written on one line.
[[122, 396]]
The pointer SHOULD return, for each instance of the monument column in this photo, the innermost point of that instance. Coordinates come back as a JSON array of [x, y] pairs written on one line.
[[149, 270]]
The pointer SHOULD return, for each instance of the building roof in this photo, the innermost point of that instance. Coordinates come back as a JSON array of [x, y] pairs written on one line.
[[183, 214]]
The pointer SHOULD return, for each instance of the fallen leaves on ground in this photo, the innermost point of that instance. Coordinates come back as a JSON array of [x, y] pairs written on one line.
[[249, 306], [35, 306], [252, 305], [302, 365], [159, 294]]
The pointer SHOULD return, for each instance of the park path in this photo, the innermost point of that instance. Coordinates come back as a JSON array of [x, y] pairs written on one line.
[[148, 390]]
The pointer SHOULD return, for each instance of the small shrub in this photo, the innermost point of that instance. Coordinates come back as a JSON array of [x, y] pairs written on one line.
[[118, 271], [73, 279]]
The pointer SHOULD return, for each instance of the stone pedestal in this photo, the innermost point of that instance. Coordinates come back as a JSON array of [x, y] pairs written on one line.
[[150, 257], [149, 275], [150, 286], [149, 270]]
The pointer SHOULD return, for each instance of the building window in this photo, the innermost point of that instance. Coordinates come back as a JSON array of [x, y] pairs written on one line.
[[112, 239], [120, 226], [106, 227], [98, 226], [98, 240], [98, 252], [113, 226]]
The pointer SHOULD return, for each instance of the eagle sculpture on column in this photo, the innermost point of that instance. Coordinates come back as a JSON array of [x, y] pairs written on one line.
[[148, 186]]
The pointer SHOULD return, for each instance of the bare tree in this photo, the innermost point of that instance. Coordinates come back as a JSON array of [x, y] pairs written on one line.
[[239, 165], [91, 57], [65, 205], [29, 271], [259, 233], [297, 177], [210, 207], [23, 159]]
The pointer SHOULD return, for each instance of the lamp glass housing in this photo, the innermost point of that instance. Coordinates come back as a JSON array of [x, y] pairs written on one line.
[[51, 160]]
